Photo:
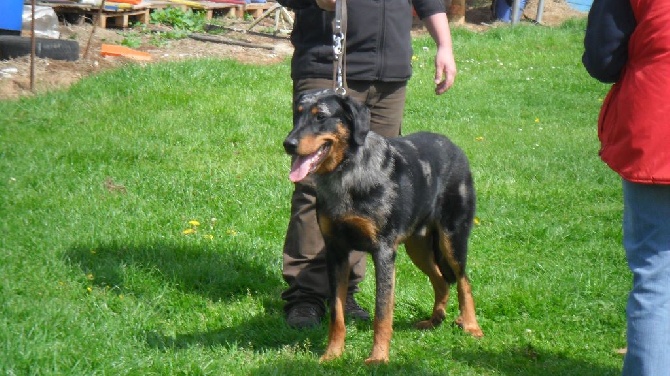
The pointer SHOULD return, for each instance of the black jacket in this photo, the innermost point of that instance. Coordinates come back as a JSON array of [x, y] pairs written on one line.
[[610, 24], [378, 38]]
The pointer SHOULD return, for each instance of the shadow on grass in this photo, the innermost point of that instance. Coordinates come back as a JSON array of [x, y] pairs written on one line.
[[216, 275], [226, 274], [528, 361], [258, 334]]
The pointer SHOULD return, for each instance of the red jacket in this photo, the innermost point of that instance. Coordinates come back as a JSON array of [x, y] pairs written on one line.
[[634, 121]]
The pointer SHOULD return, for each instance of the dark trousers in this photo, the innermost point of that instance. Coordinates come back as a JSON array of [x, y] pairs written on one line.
[[304, 259]]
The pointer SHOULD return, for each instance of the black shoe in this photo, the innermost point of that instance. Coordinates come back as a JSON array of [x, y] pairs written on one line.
[[305, 315], [353, 310]]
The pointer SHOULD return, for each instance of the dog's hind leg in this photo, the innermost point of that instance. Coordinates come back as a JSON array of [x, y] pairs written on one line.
[[420, 251], [466, 303], [384, 259]]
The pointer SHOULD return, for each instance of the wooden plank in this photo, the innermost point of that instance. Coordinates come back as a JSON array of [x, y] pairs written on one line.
[[208, 6], [226, 8], [139, 15], [120, 15], [255, 9]]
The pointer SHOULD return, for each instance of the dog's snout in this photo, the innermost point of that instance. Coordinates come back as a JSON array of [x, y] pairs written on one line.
[[291, 145]]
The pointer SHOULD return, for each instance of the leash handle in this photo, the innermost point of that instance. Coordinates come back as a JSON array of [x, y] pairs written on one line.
[[340, 47]]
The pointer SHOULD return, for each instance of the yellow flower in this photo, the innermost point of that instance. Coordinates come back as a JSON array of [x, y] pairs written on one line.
[[188, 231], [415, 58], [209, 236], [480, 138], [537, 120], [194, 223], [476, 221], [231, 232], [89, 289]]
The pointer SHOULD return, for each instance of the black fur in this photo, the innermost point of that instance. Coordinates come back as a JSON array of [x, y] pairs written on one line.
[[380, 192]]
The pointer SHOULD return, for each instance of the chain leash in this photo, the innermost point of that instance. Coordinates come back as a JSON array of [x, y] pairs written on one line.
[[340, 47]]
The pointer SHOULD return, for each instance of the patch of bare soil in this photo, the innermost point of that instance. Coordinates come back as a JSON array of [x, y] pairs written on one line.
[[258, 46]]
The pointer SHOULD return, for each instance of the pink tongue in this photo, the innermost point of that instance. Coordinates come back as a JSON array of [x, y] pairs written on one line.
[[301, 167]]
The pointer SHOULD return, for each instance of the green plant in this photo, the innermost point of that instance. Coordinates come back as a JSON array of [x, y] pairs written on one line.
[[182, 21], [131, 39]]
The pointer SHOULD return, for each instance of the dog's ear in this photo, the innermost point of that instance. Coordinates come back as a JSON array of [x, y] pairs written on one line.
[[358, 115]]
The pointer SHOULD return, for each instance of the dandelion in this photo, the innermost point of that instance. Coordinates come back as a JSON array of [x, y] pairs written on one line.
[[231, 232], [415, 58], [537, 120], [209, 237], [194, 223], [476, 221], [188, 231], [89, 289], [480, 138]]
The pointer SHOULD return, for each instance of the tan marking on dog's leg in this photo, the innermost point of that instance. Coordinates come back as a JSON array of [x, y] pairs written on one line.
[[420, 252], [383, 323], [325, 225], [337, 329], [365, 226], [466, 303], [382, 341]]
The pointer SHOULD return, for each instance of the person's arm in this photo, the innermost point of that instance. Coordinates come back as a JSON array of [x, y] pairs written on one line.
[[610, 24], [445, 64]]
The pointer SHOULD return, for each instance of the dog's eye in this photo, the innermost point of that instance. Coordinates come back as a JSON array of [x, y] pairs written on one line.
[[320, 116]]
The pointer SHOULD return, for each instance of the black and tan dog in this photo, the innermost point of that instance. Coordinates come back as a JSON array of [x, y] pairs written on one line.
[[374, 193]]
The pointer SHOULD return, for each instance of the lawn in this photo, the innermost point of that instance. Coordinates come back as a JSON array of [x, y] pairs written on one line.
[[144, 211]]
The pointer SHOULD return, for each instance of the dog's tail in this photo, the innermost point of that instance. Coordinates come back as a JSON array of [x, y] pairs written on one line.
[[441, 260]]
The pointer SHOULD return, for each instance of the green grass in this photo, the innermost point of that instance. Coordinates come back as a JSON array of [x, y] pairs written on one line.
[[100, 282]]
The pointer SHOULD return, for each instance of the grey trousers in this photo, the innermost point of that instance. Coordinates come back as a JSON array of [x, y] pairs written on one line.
[[304, 258]]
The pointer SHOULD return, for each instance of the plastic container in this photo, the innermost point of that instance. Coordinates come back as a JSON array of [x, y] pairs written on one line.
[[46, 21], [11, 12], [503, 10]]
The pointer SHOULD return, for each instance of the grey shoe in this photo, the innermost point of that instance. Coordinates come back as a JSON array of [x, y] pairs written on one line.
[[305, 315], [353, 310]]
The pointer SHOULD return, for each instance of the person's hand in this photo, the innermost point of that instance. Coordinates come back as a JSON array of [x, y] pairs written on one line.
[[445, 70], [327, 5]]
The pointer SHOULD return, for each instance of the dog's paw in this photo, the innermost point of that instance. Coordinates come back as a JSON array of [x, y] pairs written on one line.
[[475, 332], [433, 322], [330, 354], [425, 325], [372, 360], [472, 328]]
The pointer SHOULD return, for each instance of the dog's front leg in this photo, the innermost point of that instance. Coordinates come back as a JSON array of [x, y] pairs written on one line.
[[338, 275], [384, 260]]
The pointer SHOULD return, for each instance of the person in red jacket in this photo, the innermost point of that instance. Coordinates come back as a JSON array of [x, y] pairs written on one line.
[[628, 42]]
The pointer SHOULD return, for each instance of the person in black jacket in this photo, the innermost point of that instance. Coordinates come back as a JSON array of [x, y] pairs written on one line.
[[378, 66]]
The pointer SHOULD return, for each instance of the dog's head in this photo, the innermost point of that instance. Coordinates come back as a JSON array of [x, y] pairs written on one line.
[[326, 126]]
